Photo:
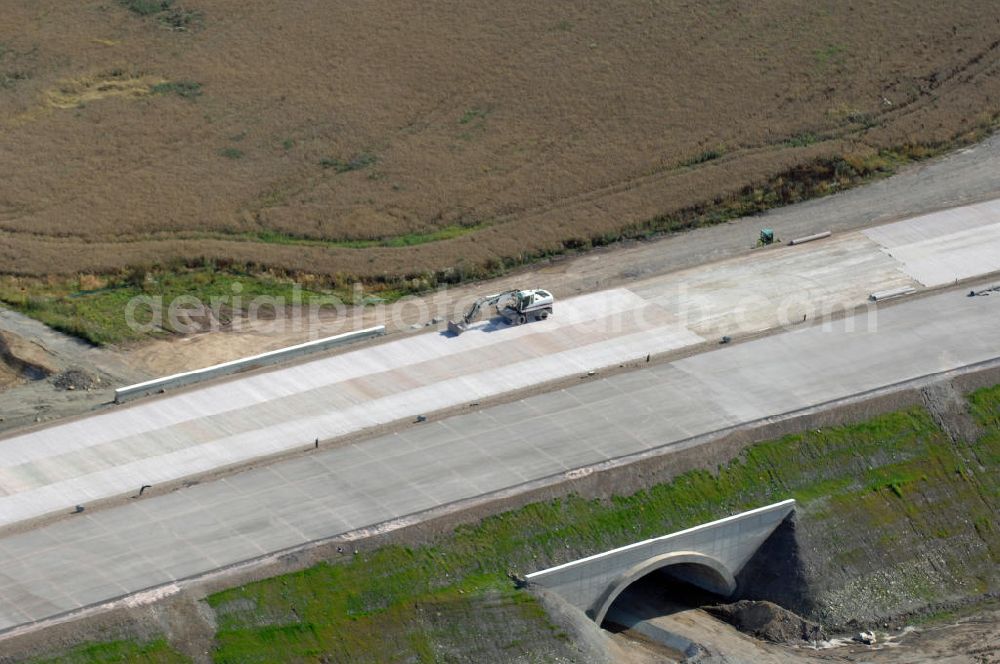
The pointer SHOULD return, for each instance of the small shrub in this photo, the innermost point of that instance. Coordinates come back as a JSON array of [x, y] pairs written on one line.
[[146, 7], [473, 114], [802, 140], [181, 19], [11, 78], [231, 153], [174, 18], [186, 89], [707, 155], [136, 277], [832, 54], [355, 163]]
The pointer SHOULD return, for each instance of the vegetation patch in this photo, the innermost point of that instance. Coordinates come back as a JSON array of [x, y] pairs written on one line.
[[985, 408], [95, 308], [146, 7], [168, 14], [9, 79], [832, 54], [805, 139], [701, 158], [113, 652], [407, 240], [186, 89], [182, 20], [356, 163], [472, 115]]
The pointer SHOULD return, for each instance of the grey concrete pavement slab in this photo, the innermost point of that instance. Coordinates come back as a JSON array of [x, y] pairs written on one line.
[[550, 402], [448, 488], [229, 548], [184, 561], [312, 521], [93, 587], [29, 543], [468, 424], [432, 433], [595, 389], [300, 470], [43, 600], [498, 473], [942, 247]]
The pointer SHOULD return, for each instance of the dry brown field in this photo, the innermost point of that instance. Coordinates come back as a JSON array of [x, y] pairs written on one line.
[[308, 135]]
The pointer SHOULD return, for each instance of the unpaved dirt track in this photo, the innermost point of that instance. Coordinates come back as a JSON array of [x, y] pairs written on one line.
[[28, 401]]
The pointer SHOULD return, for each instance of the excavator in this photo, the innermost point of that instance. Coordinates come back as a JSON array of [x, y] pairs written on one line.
[[515, 306]]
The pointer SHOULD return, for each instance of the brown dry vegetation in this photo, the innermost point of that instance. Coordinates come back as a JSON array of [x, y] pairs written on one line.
[[538, 125]]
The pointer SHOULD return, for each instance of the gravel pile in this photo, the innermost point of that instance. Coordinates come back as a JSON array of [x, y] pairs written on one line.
[[75, 379]]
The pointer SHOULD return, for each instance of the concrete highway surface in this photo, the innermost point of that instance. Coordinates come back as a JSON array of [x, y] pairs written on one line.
[[96, 556], [166, 439]]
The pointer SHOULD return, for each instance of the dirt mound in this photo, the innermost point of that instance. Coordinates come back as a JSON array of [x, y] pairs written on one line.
[[20, 360], [768, 621], [75, 379]]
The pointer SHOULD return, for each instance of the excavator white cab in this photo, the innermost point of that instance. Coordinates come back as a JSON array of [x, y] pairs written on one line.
[[515, 306]]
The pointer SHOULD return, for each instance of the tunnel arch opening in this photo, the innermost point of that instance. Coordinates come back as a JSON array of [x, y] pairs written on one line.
[[689, 567]]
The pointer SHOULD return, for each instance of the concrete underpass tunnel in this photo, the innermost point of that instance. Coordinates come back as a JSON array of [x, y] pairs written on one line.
[[664, 584]]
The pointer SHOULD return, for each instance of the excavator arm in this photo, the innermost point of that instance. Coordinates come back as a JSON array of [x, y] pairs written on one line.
[[475, 309]]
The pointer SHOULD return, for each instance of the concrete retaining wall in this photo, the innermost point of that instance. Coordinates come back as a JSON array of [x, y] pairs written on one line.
[[264, 359]]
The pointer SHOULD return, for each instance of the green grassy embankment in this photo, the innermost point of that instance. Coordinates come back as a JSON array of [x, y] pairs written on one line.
[[155, 652], [897, 481]]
